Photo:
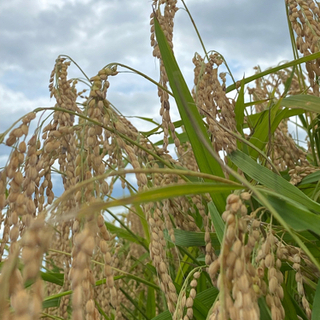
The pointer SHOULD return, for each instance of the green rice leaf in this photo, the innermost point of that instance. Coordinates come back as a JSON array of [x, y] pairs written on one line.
[[271, 180], [264, 310], [53, 277], [302, 101], [316, 304], [217, 221], [189, 113], [298, 217], [239, 110]]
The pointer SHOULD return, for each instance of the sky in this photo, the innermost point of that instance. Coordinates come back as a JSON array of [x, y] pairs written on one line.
[[95, 33]]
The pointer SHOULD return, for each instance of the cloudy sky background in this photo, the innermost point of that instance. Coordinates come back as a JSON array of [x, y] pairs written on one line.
[[95, 33]]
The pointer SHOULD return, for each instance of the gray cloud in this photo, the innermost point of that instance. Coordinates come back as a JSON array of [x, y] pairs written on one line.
[[95, 33]]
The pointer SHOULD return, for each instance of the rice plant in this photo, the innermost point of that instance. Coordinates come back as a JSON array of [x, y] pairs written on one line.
[[225, 228]]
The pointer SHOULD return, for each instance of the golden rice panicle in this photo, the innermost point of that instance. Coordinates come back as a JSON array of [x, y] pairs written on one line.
[[35, 242], [17, 175], [304, 17], [166, 215], [255, 239], [198, 202], [141, 177], [260, 92], [18, 202], [134, 223], [60, 143], [269, 257], [166, 23], [79, 275], [62, 243], [210, 97], [100, 141], [105, 245], [167, 124], [184, 306], [11, 281], [157, 249], [192, 294], [19, 132], [59, 136], [4, 221], [238, 299], [88, 281], [295, 258], [103, 293]]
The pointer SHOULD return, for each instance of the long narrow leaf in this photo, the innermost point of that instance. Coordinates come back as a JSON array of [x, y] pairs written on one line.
[[276, 69], [271, 180], [217, 221], [239, 110], [316, 304], [263, 130], [184, 238], [165, 315], [161, 193], [187, 107], [302, 101], [297, 216], [151, 303]]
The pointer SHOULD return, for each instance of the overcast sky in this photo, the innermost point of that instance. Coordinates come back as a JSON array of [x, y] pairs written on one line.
[[97, 32]]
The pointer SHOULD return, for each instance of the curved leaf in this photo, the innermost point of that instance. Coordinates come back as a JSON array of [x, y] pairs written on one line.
[[189, 113], [271, 180]]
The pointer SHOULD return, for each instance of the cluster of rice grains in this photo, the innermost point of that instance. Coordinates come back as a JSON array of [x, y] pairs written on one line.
[[210, 97], [239, 271], [304, 18], [79, 141]]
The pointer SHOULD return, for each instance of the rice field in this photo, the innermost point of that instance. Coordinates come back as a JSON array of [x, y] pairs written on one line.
[[226, 227]]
